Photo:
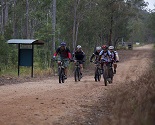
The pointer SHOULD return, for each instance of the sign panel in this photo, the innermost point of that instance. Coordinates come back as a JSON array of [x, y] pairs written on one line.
[[25, 57]]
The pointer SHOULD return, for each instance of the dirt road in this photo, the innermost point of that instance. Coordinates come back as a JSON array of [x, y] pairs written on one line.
[[50, 103]]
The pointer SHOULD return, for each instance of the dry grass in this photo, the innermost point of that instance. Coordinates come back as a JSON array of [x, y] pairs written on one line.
[[133, 103]]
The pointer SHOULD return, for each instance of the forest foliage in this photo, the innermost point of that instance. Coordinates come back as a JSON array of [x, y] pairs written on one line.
[[89, 23]]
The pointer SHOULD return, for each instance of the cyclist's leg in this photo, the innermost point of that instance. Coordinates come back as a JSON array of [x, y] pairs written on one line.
[[66, 63], [81, 67], [115, 66], [102, 66]]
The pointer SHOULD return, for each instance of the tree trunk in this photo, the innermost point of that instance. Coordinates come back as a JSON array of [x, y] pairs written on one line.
[[53, 24], [111, 29], [6, 14], [75, 24], [76, 32], [2, 17], [14, 20], [27, 19]]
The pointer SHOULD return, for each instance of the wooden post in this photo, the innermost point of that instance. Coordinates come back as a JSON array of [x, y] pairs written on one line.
[[32, 59], [18, 58]]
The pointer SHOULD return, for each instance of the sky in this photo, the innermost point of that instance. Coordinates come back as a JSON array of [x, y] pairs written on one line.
[[151, 4]]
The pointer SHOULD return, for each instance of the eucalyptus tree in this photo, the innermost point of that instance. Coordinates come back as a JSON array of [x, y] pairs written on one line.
[[4, 5], [151, 26], [53, 24]]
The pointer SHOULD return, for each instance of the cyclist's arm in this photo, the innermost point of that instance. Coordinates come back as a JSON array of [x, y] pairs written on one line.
[[73, 55], [92, 56], [84, 57], [100, 55], [69, 54]]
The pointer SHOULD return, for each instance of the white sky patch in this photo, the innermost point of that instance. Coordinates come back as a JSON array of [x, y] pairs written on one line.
[[151, 4]]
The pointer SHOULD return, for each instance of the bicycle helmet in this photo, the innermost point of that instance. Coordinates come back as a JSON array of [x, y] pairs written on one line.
[[63, 44], [104, 47], [79, 47], [111, 47], [98, 48]]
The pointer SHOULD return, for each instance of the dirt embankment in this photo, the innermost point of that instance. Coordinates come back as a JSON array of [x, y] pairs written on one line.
[[46, 102]]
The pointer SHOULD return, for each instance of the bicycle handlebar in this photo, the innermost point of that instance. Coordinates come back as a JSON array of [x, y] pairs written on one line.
[[74, 60]]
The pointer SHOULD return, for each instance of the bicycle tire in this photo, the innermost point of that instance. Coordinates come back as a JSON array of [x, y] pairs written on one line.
[[105, 74], [99, 74], [76, 75], [60, 75], [79, 74], [63, 76], [111, 74], [96, 77]]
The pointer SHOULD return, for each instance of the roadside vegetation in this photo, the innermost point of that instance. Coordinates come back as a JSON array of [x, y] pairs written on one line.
[[133, 103], [88, 23]]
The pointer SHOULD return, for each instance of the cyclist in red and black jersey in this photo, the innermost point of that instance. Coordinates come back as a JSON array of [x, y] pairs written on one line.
[[64, 54]]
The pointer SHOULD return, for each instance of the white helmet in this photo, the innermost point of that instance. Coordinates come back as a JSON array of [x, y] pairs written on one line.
[[111, 47], [98, 48], [79, 47]]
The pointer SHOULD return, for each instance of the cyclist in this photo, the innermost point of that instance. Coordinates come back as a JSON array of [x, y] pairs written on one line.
[[80, 56], [96, 54], [105, 55], [64, 54], [115, 57]]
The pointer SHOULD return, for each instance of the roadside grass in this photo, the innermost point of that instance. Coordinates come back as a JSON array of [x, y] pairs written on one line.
[[133, 103], [26, 72], [9, 72], [37, 71]]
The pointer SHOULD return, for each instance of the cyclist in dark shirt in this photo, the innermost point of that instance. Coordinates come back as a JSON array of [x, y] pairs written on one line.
[[96, 54], [64, 54], [79, 55]]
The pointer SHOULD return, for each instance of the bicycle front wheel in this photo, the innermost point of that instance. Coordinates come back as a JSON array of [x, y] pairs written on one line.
[[105, 74], [61, 76], [97, 75], [77, 75], [111, 74]]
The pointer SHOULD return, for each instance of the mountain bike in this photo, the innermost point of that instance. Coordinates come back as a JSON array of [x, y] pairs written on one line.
[[61, 71], [97, 71], [77, 73], [107, 72]]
